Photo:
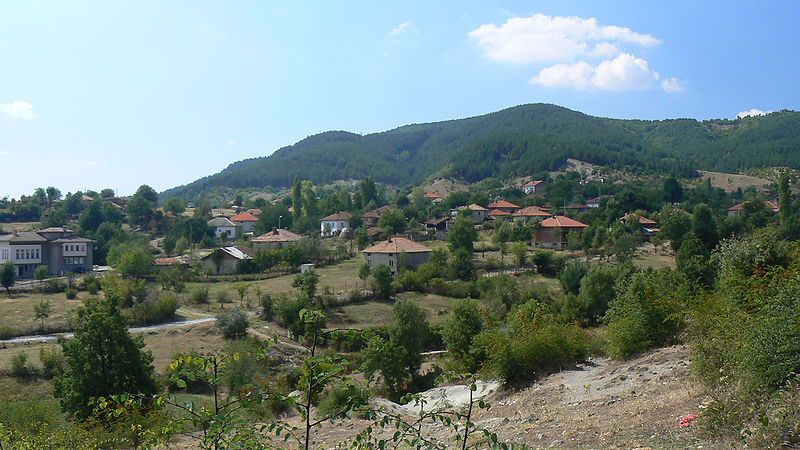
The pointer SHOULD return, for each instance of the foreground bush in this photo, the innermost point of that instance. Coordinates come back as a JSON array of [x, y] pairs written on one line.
[[648, 312], [233, 324], [532, 345], [153, 311]]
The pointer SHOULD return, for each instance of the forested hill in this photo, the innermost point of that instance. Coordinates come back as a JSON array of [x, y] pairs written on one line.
[[519, 141]]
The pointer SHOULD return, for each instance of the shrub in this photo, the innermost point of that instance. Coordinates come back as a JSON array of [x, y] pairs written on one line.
[[53, 361], [267, 307], [152, 311], [54, 285], [91, 284], [20, 367], [222, 298], [233, 324], [199, 296], [410, 280], [533, 344], [71, 293], [342, 398], [647, 312], [460, 329], [288, 312], [571, 275]]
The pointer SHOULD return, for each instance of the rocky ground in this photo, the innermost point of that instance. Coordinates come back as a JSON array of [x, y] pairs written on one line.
[[601, 404]]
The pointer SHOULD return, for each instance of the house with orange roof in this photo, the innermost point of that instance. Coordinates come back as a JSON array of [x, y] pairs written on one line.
[[277, 238], [434, 197], [395, 251], [552, 232], [537, 187], [738, 209], [246, 222], [371, 218], [530, 214], [335, 223], [503, 205], [497, 214], [649, 227]]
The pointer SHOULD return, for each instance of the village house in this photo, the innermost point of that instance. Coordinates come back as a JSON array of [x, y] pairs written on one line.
[[552, 232], [503, 205], [277, 238], [434, 197], [535, 187], [438, 227], [530, 214], [167, 263], [395, 251], [738, 209], [649, 227], [225, 260], [223, 228], [246, 222], [497, 214], [335, 223], [594, 202], [55, 247], [477, 213], [371, 218]]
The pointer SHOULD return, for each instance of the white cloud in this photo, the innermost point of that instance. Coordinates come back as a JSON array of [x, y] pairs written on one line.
[[623, 73], [672, 85], [18, 109], [231, 142], [752, 113], [404, 28], [547, 39], [3, 153], [92, 163]]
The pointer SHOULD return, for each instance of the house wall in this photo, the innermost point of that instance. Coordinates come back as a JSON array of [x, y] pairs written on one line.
[[246, 227], [478, 217], [412, 260], [335, 225], [228, 266], [549, 238], [270, 245], [219, 231]]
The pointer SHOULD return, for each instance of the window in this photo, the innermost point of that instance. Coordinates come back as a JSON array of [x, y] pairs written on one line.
[[4, 255], [391, 263]]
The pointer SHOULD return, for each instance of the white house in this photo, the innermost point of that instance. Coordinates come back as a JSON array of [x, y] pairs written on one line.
[[245, 221], [335, 223], [534, 187], [223, 228]]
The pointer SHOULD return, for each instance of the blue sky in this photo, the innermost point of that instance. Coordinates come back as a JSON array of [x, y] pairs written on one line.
[[112, 94]]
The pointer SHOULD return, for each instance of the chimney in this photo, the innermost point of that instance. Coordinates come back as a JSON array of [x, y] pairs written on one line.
[[275, 231], [16, 233]]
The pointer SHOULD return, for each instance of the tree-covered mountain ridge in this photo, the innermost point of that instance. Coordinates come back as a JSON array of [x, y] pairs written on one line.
[[519, 141]]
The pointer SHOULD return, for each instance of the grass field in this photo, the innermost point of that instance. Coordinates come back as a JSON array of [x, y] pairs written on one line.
[[373, 313], [730, 182], [164, 344], [340, 277], [21, 226], [17, 312]]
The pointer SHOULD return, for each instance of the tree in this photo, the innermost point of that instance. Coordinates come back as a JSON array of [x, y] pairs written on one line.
[[107, 193], [382, 282], [310, 201], [460, 329], [520, 251], [364, 273], [242, 289], [307, 283], [181, 245], [175, 205], [41, 310], [92, 217], [675, 225], [461, 265], [784, 201], [369, 192], [102, 359], [462, 234], [53, 195], [8, 276], [571, 276], [297, 198], [673, 192], [142, 205], [392, 221], [704, 225], [136, 261], [40, 273], [502, 234]]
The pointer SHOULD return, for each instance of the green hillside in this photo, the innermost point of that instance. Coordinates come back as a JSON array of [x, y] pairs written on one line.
[[518, 141]]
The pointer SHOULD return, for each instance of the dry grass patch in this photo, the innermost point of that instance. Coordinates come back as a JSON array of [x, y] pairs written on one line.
[[373, 313], [17, 312]]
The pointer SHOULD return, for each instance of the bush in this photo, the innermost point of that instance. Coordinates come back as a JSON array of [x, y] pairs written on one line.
[[533, 344], [647, 312], [460, 329], [571, 275], [233, 324], [20, 367], [53, 361], [267, 307], [199, 296], [91, 284], [410, 280], [342, 398], [54, 285], [71, 293], [288, 312], [222, 298], [153, 311]]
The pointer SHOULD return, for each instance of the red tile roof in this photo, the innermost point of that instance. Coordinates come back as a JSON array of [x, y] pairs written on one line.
[[502, 204], [376, 213], [498, 213], [341, 215], [397, 245], [561, 222], [277, 235], [532, 211], [432, 195], [244, 217], [534, 183]]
